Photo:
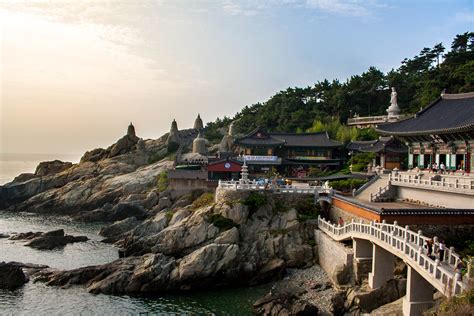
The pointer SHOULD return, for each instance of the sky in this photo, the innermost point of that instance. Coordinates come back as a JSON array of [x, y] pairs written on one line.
[[74, 74]]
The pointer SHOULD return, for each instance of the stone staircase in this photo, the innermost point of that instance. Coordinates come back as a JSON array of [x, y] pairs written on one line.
[[373, 188]]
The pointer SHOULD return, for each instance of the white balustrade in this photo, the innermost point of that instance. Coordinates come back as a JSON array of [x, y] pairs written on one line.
[[407, 245], [254, 185], [451, 183]]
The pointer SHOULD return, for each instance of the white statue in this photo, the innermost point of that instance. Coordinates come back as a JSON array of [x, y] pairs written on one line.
[[393, 110]]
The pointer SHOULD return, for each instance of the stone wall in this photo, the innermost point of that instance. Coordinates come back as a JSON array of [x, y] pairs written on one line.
[[435, 198], [347, 217], [334, 258], [179, 187]]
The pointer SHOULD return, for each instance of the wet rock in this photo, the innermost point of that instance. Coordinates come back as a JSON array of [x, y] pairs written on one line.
[[284, 301], [49, 240], [11, 276]]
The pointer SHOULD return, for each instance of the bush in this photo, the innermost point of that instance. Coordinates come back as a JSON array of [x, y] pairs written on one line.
[[203, 200], [346, 184], [162, 181], [358, 167], [254, 201], [458, 305], [307, 209], [221, 222]]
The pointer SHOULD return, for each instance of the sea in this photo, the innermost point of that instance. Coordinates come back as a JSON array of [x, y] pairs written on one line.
[[39, 299]]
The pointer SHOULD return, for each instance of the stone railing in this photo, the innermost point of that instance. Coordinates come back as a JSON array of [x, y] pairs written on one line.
[[365, 185], [439, 182], [378, 196], [256, 186], [367, 120], [407, 245]]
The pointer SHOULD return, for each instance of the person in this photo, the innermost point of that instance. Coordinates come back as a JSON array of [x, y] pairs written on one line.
[[442, 167], [435, 167], [441, 250], [341, 221], [430, 248], [459, 266], [426, 248]]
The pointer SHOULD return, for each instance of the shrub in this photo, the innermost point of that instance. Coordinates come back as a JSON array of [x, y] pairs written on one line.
[[221, 222], [254, 201], [458, 305], [169, 215], [162, 181], [157, 156], [358, 167], [203, 200], [307, 210], [346, 184]]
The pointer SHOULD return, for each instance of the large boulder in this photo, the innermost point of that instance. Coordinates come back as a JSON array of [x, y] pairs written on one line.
[[120, 227], [11, 276], [51, 167], [49, 240], [284, 301]]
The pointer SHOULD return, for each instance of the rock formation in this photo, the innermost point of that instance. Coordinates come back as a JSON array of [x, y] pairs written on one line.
[[227, 140], [220, 244], [49, 240], [200, 145], [51, 167], [126, 143], [11, 276]]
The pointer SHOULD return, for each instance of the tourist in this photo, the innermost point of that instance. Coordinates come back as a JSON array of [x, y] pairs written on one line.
[[430, 248], [426, 248], [435, 167], [459, 266], [441, 250], [341, 221], [442, 167]]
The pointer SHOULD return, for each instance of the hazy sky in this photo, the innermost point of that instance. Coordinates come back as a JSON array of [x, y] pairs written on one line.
[[74, 73]]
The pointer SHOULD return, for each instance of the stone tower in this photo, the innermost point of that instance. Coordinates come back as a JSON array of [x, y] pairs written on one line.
[[200, 145], [198, 123], [131, 130], [173, 141]]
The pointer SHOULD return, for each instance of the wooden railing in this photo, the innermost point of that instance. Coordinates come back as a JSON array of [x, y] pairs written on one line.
[[407, 245]]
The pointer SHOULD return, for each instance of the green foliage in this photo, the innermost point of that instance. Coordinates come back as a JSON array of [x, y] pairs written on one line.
[[204, 200], [324, 105], [346, 184], [458, 305], [221, 222], [169, 215], [363, 158], [307, 210], [163, 181], [254, 201], [157, 156], [278, 231]]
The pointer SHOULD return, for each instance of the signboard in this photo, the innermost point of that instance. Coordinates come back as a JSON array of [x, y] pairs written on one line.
[[260, 158]]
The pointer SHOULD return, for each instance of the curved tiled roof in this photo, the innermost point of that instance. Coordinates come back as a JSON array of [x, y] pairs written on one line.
[[260, 137], [448, 114], [386, 144]]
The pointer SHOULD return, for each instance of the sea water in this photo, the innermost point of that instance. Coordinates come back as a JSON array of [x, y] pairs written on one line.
[[39, 299]]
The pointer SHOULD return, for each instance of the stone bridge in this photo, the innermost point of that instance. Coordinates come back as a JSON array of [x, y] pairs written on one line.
[[382, 242]]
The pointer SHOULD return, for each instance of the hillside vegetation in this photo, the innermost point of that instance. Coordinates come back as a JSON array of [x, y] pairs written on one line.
[[419, 80]]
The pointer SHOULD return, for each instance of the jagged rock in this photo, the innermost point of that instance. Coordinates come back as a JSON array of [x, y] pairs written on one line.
[[163, 203], [367, 301], [151, 200], [49, 240], [51, 167], [2, 235], [272, 270], [94, 155], [24, 177], [230, 236], [284, 301], [11, 276], [179, 216], [120, 227]]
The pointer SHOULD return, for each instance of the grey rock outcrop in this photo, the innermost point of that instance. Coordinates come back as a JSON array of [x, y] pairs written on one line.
[[49, 240], [51, 167], [11, 276]]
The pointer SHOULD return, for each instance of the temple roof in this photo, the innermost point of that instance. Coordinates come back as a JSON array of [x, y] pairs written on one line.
[[385, 144], [260, 137], [450, 113]]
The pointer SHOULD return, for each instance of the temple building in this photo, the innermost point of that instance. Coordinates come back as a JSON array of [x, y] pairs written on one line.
[[441, 133], [389, 152], [288, 153]]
